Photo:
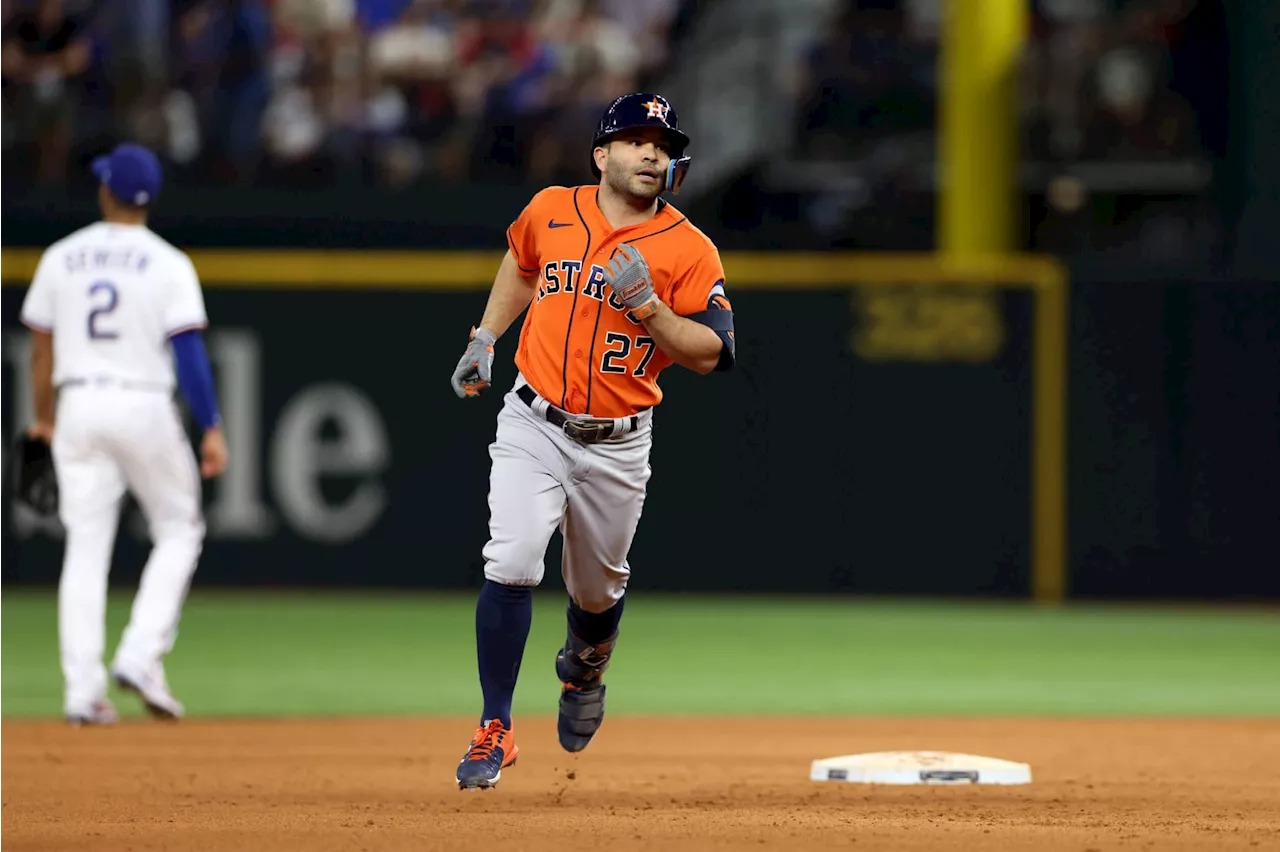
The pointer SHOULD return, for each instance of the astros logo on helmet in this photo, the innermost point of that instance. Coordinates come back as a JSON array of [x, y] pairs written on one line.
[[657, 109], [646, 109]]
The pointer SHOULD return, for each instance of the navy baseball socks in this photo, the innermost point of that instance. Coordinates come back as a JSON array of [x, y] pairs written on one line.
[[580, 665], [503, 617]]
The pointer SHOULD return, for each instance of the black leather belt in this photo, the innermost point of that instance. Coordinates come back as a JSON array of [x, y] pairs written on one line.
[[585, 430]]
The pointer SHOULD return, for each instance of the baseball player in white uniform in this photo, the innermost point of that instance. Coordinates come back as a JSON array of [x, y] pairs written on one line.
[[116, 315]]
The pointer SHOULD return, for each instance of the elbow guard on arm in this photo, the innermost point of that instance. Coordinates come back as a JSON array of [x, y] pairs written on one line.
[[721, 322]]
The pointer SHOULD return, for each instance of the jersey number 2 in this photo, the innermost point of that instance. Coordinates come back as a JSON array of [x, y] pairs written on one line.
[[104, 296], [607, 364]]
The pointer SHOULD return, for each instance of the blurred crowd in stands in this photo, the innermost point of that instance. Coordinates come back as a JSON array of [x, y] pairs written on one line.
[[321, 92], [318, 92], [1123, 112], [1101, 80]]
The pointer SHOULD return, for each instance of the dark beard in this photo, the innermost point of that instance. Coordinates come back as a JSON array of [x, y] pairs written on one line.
[[620, 183]]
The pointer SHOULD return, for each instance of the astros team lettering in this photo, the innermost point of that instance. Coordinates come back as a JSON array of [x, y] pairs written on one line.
[[565, 276]]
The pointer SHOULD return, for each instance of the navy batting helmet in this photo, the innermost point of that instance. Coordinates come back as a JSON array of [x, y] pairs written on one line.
[[645, 109]]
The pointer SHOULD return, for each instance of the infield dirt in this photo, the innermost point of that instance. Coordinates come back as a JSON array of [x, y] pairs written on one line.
[[645, 783]]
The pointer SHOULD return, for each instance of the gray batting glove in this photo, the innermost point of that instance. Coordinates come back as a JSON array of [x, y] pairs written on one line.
[[475, 369], [630, 278]]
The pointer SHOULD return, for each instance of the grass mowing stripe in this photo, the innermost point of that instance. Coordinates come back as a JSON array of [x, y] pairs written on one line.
[[287, 653]]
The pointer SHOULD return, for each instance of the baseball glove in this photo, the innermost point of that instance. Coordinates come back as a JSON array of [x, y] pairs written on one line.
[[37, 485]]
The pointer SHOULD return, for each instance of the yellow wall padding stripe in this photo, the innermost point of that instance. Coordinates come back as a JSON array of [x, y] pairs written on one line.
[[474, 270]]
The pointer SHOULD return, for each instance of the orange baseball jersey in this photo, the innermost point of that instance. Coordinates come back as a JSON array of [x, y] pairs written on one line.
[[579, 348]]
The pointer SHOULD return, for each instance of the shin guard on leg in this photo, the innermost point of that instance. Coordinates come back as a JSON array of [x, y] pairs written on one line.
[[581, 667]]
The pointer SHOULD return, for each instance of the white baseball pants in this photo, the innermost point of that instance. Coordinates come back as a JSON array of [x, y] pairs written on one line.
[[541, 480], [106, 440]]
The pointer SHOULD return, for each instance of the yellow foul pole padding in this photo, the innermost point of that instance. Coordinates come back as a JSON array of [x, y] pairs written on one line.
[[978, 217], [982, 40]]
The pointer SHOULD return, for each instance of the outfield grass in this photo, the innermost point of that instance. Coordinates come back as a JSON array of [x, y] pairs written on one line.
[[276, 653]]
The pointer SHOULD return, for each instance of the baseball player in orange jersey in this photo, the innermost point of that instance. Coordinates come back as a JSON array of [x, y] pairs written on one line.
[[618, 285]]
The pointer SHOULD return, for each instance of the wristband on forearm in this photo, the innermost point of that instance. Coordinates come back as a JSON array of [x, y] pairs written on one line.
[[648, 309]]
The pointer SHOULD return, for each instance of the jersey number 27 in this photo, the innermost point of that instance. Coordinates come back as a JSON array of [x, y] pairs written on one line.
[[104, 296], [607, 364]]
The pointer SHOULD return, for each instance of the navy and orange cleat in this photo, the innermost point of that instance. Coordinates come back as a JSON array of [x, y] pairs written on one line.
[[492, 750], [581, 668]]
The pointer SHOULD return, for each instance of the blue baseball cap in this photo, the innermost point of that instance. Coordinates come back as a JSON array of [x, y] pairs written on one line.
[[131, 172]]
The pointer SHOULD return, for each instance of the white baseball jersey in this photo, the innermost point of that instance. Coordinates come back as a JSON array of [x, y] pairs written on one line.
[[113, 295]]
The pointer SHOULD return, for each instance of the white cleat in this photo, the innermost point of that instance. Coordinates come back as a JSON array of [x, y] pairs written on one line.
[[100, 712], [154, 692]]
